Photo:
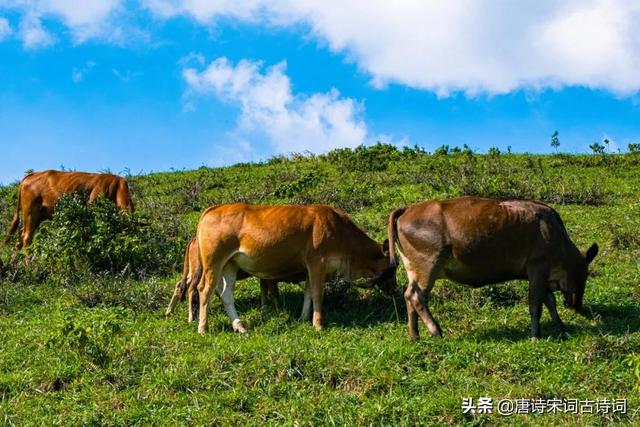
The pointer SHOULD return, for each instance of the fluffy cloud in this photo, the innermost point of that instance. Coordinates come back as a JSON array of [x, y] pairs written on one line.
[[5, 28], [474, 46], [290, 123], [33, 35], [205, 11], [471, 46], [85, 19]]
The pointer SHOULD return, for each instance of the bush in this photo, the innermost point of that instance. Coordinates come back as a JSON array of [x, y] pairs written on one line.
[[495, 176], [375, 158], [493, 152], [98, 238], [295, 187]]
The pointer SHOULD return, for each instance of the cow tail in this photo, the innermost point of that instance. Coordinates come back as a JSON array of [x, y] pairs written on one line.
[[392, 232], [185, 273], [16, 220], [195, 280]]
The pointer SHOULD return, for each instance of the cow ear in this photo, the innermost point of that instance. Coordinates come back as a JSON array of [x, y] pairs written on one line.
[[385, 247], [591, 253]]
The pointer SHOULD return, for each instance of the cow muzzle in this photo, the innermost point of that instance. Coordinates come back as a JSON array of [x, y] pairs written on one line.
[[386, 281], [572, 301]]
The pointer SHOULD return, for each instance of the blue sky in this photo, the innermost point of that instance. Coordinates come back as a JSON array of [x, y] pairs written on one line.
[[159, 84]]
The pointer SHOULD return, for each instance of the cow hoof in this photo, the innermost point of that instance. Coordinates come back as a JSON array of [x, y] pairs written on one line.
[[237, 327]]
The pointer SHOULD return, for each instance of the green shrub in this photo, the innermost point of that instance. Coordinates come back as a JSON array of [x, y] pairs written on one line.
[[443, 150], [495, 176], [493, 152], [597, 148], [295, 187], [375, 158], [98, 238]]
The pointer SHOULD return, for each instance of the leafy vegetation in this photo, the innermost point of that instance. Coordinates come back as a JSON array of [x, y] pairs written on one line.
[[84, 338], [97, 239]]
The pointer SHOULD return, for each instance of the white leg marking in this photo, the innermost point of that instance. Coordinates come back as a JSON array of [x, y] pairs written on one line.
[[226, 295]]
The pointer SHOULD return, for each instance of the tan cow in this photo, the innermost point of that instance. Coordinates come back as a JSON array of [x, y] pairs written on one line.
[[478, 241], [280, 241], [186, 286], [39, 192]]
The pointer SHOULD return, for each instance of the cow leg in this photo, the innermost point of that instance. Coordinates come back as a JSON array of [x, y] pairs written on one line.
[[421, 282], [538, 281], [264, 290], [306, 305], [19, 245], [316, 280], [226, 295], [177, 294], [550, 302], [31, 222], [210, 279], [269, 291], [420, 301], [274, 293], [192, 300], [412, 315]]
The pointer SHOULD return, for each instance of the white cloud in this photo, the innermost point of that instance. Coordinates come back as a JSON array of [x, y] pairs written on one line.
[[33, 35], [5, 28], [474, 46], [125, 76], [78, 74], [85, 19], [205, 10], [290, 123]]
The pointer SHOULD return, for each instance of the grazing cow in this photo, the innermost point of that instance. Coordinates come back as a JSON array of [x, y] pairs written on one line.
[[270, 242], [478, 241], [39, 192], [186, 286]]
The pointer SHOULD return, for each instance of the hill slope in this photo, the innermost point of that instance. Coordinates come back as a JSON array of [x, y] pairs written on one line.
[[74, 352]]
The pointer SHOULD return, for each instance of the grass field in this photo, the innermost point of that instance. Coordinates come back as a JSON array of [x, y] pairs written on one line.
[[96, 349]]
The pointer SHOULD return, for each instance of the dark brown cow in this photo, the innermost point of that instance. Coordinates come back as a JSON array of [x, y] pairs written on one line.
[[477, 241], [39, 192], [280, 241], [186, 286]]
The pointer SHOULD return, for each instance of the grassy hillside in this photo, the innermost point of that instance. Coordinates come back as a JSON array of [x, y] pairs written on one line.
[[79, 347]]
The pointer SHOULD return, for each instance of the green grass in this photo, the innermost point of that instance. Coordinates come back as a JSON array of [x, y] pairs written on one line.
[[118, 361]]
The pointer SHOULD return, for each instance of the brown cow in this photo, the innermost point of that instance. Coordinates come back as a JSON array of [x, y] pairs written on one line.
[[478, 241], [39, 192], [279, 241], [186, 286]]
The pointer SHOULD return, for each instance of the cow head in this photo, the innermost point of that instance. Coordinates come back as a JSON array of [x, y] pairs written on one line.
[[382, 273], [573, 287]]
